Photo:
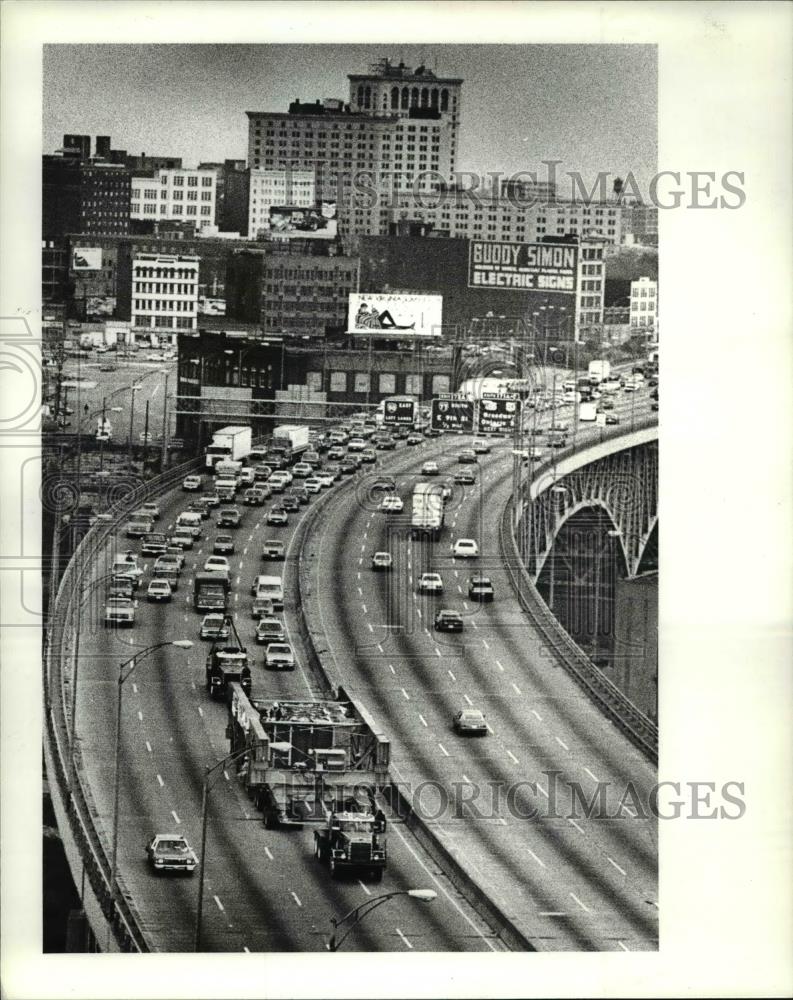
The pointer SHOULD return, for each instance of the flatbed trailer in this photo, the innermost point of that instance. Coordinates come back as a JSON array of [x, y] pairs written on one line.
[[318, 762]]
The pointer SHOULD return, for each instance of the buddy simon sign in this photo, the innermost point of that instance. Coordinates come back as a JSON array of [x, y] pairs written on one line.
[[545, 267]]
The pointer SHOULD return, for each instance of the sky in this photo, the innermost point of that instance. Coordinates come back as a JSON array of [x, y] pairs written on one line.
[[594, 107]]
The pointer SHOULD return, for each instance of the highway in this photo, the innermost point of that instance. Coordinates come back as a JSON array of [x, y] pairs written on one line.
[[263, 891], [570, 882]]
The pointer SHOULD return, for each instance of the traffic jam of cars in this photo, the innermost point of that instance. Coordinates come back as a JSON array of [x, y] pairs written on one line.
[[264, 492]]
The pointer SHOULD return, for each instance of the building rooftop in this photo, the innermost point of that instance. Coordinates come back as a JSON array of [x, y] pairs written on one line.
[[385, 69]]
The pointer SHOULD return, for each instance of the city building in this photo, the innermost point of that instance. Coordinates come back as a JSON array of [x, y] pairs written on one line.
[[393, 264], [644, 307], [431, 104], [104, 198], [277, 187], [616, 324], [399, 132], [644, 224], [225, 377], [179, 194], [291, 293], [164, 294], [143, 163], [487, 214]]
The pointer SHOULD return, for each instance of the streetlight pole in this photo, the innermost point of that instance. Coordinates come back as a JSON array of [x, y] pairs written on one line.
[[558, 491], [201, 864], [164, 453], [128, 666], [357, 914]]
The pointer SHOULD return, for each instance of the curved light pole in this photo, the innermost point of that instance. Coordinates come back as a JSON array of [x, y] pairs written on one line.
[[124, 670], [357, 914], [204, 797]]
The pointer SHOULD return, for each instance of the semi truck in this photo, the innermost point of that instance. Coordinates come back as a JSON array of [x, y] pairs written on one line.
[[232, 443], [427, 514], [227, 665], [289, 441], [319, 762], [210, 591]]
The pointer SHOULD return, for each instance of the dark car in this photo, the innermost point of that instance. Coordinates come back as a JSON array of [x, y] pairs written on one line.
[[229, 518], [199, 507], [465, 477], [448, 621], [347, 466], [480, 589], [300, 493], [254, 497], [290, 503], [223, 545]]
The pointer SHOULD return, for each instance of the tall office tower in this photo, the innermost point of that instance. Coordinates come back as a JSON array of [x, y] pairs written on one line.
[[399, 132], [427, 112]]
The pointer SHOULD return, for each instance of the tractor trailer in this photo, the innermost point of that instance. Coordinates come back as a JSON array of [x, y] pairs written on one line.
[[317, 762], [231, 443], [289, 441]]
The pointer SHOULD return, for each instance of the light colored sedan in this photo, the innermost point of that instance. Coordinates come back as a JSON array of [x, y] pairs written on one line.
[[429, 469], [279, 656], [159, 590], [430, 583], [392, 505], [470, 722], [217, 564], [465, 548]]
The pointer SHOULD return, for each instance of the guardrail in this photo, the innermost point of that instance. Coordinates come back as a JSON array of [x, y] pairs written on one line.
[[641, 730], [71, 796]]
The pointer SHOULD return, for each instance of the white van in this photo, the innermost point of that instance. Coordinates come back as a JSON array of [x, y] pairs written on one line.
[[192, 521], [271, 588]]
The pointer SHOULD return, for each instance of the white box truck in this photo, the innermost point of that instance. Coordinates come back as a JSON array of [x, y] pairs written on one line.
[[290, 440], [233, 443], [598, 371], [588, 412]]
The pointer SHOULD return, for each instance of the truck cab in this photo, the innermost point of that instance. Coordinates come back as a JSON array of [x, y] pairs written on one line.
[[352, 842], [224, 665]]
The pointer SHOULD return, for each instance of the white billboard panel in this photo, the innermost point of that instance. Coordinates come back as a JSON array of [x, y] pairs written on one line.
[[401, 316], [87, 259]]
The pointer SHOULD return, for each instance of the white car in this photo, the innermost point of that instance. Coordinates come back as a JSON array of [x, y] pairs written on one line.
[[325, 479], [191, 484], [481, 447], [392, 505], [279, 656], [313, 485], [356, 444], [430, 583], [217, 564], [465, 548], [429, 469], [159, 590], [302, 470]]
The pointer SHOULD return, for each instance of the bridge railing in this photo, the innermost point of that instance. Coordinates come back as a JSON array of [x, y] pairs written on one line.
[[60, 751], [641, 730]]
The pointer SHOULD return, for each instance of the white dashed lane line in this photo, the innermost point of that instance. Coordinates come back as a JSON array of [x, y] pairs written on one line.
[[423, 720], [538, 860], [591, 775], [148, 746], [613, 862], [175, 817], [512, 757], [296, 898], [160, 781], [399, 932], [535, 713], [219, 904], [444, 751], [407, 696], [516, 688], [561, 743], [269, 853]]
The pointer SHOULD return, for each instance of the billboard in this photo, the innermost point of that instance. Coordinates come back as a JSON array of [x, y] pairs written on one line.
[[312, 223], [402, 316], [87, 259], [541, 267], [452, 412], [497, 413]]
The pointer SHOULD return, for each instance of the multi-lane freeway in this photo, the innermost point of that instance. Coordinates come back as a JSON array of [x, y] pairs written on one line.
[[569, 883], [264, 891]]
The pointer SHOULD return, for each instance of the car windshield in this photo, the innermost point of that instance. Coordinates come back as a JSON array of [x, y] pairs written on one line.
[[471, 715], [278, 648], [174, 846]]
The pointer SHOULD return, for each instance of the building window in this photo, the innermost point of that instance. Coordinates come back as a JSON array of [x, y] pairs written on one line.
[[387, 383], [192, 181], [362, 383], [178, 180], [338, 381], [206, 182]]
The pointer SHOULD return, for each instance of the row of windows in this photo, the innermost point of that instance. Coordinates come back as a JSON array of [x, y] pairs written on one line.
[[177, 305], [144, 271], [644, 306], [165, 288], [643, 292], [387, 382], [192, 180], [166, 322]]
